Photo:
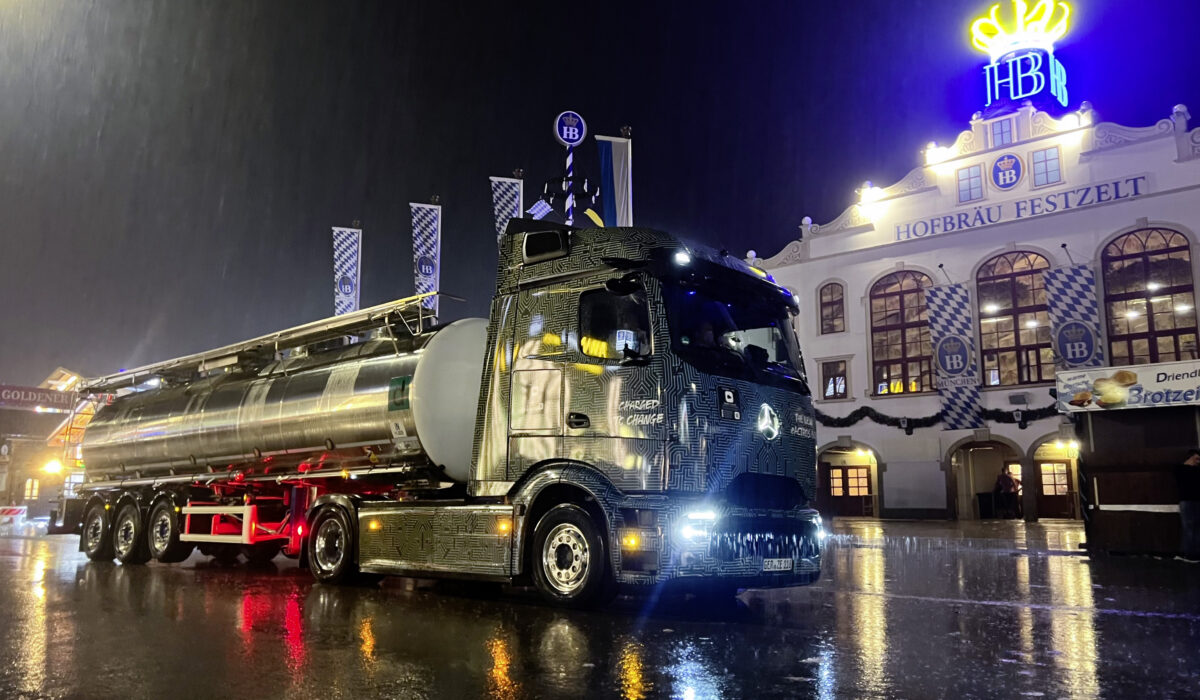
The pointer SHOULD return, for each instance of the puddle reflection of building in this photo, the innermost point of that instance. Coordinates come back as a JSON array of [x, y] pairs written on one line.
[[30, 624], [1073, 624]]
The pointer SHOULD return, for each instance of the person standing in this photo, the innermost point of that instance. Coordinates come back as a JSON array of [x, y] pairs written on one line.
[[1187, 482]]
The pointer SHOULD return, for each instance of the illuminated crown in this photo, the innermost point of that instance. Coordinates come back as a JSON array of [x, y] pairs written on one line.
[[1036, 28], [1006, 163], [1074, 332], [570, 120], [953, 345]]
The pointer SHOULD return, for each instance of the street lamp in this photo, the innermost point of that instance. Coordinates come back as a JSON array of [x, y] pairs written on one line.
[[53, 467]]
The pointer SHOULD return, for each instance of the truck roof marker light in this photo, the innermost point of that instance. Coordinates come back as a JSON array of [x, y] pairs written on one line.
[[682, 258]]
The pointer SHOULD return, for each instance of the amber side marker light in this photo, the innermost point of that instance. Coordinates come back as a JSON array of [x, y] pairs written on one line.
[[374, 525]]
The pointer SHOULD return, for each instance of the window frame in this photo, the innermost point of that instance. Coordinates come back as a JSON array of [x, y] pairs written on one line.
[[32, 486], [821, 362], [1033, 167], [839, 303], [925, 375], [1012, 136], [1113, 252], [1018, 315], [958, 183]]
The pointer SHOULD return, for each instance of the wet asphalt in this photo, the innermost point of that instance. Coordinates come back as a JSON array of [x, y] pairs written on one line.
[[904, 610]]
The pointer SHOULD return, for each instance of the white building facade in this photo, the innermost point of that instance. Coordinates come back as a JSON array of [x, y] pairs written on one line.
[[932, 334]]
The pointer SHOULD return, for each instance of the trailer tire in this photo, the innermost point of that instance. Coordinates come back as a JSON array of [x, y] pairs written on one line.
[[162, 534], [332, 548], [570, 562], [129, 536], [97, 534]]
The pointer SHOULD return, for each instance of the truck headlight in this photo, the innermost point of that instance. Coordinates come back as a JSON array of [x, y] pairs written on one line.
[[698, 524]]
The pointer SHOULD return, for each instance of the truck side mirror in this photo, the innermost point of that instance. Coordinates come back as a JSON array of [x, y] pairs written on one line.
[[624, 286]]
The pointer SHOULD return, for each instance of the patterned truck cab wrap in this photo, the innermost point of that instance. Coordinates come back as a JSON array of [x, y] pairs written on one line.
[[664, 379]]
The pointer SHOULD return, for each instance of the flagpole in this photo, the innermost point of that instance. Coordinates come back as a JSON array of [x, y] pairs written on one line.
[[569, 185]]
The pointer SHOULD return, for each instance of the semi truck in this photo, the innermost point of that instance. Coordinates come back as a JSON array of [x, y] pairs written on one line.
[[633, 413]]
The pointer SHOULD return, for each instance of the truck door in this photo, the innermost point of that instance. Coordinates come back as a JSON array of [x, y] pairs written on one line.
[[539, 353], [614, 418]]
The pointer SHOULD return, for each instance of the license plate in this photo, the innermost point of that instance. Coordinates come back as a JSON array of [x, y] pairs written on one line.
[[777, 564]]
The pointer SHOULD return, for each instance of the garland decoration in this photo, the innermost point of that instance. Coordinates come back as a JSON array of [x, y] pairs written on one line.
[[1021, 418]]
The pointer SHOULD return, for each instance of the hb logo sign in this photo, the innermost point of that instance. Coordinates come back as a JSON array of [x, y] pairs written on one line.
[[952, 355], [1076, 343], [1006, 171], [570, 129]]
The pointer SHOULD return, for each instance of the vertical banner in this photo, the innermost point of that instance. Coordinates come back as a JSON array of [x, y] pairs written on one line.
[[427, 250], [347, 251], [508, 198], [616, 179], [1074, 316], [957, 379]]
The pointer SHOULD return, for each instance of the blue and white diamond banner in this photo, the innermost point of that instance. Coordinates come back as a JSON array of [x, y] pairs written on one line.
[[507, 201], [347, 252], [1074, 316], [427, 250], [957, 377]]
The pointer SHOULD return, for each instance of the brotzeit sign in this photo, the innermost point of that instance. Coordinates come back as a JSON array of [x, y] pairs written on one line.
[[1041, 205]]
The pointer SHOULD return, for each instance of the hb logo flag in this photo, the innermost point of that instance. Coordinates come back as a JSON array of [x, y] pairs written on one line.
[[347, 250], [954, 355], [507, 201], [427, 250], [1074, 316]]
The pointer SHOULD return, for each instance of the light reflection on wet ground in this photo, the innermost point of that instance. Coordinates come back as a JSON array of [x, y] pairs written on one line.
[[912, 610]]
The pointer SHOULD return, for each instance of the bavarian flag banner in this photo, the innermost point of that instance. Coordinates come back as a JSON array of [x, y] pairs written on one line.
[[616, 180], [427, 250], [949, 307], [1074, 316], [508, 199], [347, 253]]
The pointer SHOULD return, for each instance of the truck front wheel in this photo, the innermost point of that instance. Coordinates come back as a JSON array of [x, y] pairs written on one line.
[[331, 548], [97, 534], [570, 565]]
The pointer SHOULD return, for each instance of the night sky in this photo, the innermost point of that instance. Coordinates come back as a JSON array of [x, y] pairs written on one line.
[[170, 170]]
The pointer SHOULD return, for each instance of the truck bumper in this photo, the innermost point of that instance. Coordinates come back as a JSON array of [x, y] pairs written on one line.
[[734, 547]]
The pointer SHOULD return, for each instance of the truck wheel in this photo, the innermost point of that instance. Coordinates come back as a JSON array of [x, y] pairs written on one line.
[[570, 565], [129, 537], [331, 547], [97, 534], [163, 534]]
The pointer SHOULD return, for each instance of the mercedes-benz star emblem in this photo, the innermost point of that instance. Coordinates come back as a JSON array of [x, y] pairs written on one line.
[[768, 422]]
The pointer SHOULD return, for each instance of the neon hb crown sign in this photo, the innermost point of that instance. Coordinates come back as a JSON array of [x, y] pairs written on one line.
[[1021, 48]]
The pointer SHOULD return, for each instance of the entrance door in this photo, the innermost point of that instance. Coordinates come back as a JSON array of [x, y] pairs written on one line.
[[846, 490], [1055, 496]]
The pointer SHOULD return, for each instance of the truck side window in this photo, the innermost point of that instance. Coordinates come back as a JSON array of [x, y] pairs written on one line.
[[613, 326]]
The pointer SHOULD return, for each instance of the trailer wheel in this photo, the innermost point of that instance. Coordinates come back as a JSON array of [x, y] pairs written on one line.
[[129, 536], [570, 566], [97, 534], [331, 547], [162, 534]]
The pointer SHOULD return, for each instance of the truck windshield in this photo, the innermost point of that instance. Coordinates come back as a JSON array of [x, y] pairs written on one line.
[[725, 332]]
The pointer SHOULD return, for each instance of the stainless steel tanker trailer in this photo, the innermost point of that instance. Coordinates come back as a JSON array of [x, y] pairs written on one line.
[[633, 413]]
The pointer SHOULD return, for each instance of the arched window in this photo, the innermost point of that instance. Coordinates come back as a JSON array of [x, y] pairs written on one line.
[[1148, 297], [901, 350], [1014, 324], [833, 308]]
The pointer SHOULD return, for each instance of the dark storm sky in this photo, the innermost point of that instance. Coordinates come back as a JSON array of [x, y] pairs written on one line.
[[169, 170]]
